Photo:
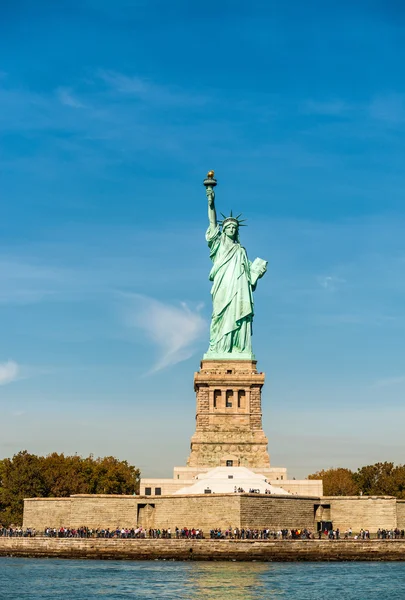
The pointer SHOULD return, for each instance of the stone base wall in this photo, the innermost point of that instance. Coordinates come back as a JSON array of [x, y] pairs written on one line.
[[47, 512], [401, 514], [283, 512], [205, 511], [104, 511], [208, 511], [362, 512], [199, 511], [240, 550]]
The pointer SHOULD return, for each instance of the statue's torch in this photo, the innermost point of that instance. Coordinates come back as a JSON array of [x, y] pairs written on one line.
[[210, 182]]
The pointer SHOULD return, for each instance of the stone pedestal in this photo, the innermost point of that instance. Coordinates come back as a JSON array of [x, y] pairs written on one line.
[[229, 416]]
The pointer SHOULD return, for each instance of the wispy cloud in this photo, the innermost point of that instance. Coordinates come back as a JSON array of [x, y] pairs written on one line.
[[26, 282], [148, 91], [389, 381], [8, 372], [331, 107], [330, 282], [389, 108], [17, 413], [66, 97], [174, 330]]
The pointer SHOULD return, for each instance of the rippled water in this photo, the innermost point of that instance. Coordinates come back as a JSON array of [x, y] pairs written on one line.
[[87, 580]]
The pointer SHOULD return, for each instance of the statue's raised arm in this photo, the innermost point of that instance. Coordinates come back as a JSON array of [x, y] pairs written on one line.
[[210, 183], [212, 213], [234, 279]]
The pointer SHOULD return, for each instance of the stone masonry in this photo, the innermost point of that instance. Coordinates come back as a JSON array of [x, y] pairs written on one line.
[[208, 511], [205, 511], [235, 550], [229, 416]]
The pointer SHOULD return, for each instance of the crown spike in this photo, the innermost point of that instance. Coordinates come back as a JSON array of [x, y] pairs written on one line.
[[231, 218]]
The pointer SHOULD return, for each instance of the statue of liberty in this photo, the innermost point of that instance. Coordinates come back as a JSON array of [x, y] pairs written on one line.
[[234, 280]]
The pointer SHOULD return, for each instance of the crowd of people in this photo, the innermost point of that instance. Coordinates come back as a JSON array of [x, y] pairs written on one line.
[[124, 533], [260, 534], [197, 533], [240, 490], [17, 531], [364, 534], [390, 534]]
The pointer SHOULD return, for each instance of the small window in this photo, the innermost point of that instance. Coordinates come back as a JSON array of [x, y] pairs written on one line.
[[230, 476], [229, 372], [229, 463], [282, 476], [178, 476], [228, 398], [158, 491], [217, 396], [148, 491], [207, 491], [241, 398]]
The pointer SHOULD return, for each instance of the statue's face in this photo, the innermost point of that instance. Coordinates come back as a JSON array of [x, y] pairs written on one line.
[[231, 231]]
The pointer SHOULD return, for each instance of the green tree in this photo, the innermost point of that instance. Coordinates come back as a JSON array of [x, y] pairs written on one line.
[[112, 476], [56, 475], [398, 481], [337, 482], [21, 477], [379, 479], [64, 475]]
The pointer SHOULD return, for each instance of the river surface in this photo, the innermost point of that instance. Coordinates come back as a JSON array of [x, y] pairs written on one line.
[[90, 579]]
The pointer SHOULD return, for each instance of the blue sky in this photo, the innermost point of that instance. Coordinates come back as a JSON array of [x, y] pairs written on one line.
[[111, 113]]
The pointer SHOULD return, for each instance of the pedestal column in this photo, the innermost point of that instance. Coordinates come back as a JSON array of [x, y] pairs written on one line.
[[226, 432]]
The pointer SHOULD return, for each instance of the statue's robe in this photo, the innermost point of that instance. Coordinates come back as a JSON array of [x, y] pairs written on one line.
[[232, 295]]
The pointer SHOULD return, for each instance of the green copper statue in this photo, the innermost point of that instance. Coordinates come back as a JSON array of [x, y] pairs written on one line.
[[234, 280]]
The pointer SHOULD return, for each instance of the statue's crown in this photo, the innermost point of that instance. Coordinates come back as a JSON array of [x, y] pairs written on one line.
[[231, 219]]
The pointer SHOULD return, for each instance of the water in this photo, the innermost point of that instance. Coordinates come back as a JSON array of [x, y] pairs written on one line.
[[94, 579]]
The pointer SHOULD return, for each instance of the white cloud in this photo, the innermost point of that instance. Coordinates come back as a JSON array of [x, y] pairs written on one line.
[[332, 107], [172, 329], [8, 372], [123, 83], [330, 282], [389, 381], [25, 282], [149, 92], [389, 108], [66, 97]]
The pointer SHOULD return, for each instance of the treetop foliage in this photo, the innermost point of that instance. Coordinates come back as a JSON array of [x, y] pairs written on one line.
[[381, 479], [26, 475]]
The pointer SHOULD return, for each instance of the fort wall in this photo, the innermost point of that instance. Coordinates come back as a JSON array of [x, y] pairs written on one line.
[[401, 514], [239, 550], [40, 513], [282, 512], [210, 511], [362, 512], [203, 511]]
